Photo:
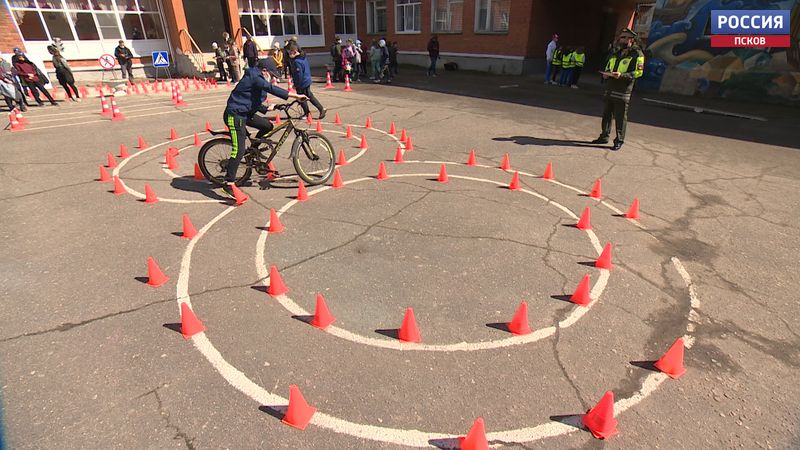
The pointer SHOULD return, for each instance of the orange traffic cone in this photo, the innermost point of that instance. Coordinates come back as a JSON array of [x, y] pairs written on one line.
[[119, 188], [319, 127], [604, 261], [633, 212], [278, 119], [442, 174], [347, 87], [239, 196], [363, 144], [155, 277], [302, 194], [172, 164], [506, 164], [349, 133], [392, 129], [519, 324], [514, 185], [208, 126], [198, 174], [275, 225], [409, 144], [368, 125], [189, 231], [123, 151], [597, 190], [337, 180], [328, 83], [309, 120], [116, 115], [382, 175], [20, 117], [276, 286], [337, 120], [408, 330], [299, 412], [105, 111], [142, 144], [548, 172], [173, 135], [179, 100], [149, 196], [472, 160], [112, 163], [104, 176], [672, 361], [342, 161], [15, 124], [581, 295], [190, 324], [403, 135], [476, 437], [322, 317], [600, 419], [585, 222], [197, 141], [398, 155]]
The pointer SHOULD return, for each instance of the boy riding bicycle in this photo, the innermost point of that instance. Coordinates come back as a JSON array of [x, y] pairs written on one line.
[[246, 99]]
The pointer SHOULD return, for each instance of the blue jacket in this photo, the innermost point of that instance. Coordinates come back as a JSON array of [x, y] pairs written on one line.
[[301, 76], [249, 95]]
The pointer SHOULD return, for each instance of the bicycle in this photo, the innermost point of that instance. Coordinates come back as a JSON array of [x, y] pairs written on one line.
[[312, 153]]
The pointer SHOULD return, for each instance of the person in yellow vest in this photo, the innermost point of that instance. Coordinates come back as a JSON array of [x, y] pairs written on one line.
[[579, 58], [567, 63], [556, 63], [277, 56], [622, 69]]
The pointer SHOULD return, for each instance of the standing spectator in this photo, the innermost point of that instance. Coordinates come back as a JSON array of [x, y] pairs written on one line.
[[125, 59], [287, 71], [250, 51], [374, 60], [393, 49], [277, 56], [32, 77], [433, 53], [558, 53], [336, 55], [219, 57], [301, 76], [580, 59], [9, 87], [232, 57], [362, 59], [549, 53], [17, 54], [65, 77], [384, 63], [287, 59], [567, 62], [348, 59]]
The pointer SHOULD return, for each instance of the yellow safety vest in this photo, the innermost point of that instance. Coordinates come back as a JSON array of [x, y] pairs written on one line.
[[556, 57], [623, 65], [579, 59], [566, 61]]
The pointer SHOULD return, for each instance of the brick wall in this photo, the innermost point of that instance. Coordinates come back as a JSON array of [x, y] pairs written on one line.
[[9, 38]]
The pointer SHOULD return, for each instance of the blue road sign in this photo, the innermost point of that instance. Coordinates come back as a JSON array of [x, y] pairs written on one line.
[[160, 59]]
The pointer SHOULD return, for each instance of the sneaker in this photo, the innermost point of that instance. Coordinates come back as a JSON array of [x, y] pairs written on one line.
[[600, 140], [227, 191], [617, 145], [322, 114], [574, 86]]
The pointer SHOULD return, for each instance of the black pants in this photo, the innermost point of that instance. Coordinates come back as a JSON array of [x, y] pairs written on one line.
[[338, 74], [35, 87], [127, 66], [67, 85], [238, 127], [251, 61], [555, 73], [307, 92], [221, 66], [618, 109], [576, 75]]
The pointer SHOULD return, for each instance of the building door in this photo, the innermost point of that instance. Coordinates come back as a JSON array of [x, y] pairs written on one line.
[[207, 20]]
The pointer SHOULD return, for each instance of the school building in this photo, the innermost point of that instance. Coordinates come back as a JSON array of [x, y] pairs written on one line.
[[500, 36]]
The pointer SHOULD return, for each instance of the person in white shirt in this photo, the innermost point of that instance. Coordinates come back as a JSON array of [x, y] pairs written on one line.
[[551, 48]]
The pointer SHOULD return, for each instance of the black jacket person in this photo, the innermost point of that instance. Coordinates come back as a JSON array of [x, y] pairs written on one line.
[[622, 69]]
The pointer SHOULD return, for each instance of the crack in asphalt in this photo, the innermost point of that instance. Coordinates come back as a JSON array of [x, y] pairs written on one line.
[[557, 354], [165, 415]]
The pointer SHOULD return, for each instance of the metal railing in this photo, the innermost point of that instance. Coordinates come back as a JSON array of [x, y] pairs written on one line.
[[189, 42]]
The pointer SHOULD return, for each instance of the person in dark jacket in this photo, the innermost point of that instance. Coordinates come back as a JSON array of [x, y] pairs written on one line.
[[9, 87], [64, 75], [250, 51], [32, 77], [433, 53], [219, 58], [393, 49], [302, 79], [125, 59], [336, 55], [247, 99]]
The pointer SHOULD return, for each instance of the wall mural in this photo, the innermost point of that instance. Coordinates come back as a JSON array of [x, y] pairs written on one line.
[[680, 58]]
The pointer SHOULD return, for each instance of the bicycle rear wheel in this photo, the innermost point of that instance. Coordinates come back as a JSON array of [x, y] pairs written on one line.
[[313, 160], [213, 161]]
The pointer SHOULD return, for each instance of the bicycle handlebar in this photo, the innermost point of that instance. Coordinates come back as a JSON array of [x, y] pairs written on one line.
[[286, 107]]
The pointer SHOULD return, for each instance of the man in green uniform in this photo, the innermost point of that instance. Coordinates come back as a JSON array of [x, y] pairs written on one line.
[[623, 67]]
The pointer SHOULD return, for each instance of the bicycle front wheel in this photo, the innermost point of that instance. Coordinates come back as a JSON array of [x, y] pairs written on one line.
[[213, 161], [313, 160]]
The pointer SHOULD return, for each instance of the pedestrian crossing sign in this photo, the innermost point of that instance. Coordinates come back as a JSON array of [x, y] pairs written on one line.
[[160, 59]]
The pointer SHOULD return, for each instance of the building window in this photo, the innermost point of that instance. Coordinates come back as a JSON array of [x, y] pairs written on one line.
[[492, 16], [345, 17], [408, 16], [447, 16], [281, 17], [376, 17]]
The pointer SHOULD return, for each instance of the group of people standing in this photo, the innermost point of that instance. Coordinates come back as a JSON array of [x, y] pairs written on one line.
[[351, 59], [21, 77], [564, 64]]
